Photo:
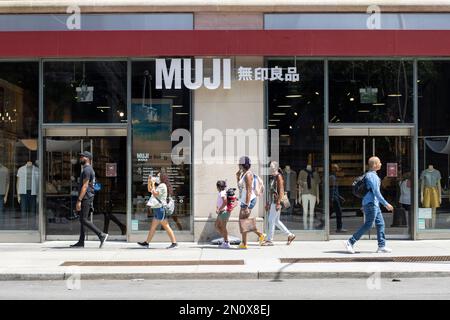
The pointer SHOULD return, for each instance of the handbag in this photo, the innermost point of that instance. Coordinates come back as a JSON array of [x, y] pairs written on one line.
[[246, 224], [285, 201]]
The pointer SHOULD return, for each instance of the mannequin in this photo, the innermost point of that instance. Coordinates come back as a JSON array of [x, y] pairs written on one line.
[[431, 191], [4, 187], [308, 194], [27, 188], [290, 178]]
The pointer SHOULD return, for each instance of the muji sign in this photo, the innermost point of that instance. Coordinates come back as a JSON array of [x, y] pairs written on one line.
[[180, 70]]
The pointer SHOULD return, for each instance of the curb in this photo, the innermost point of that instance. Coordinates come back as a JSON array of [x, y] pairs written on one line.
[[273, 276]]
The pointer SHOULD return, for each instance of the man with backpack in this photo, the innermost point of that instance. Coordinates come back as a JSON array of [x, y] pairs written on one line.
[[371, 199]]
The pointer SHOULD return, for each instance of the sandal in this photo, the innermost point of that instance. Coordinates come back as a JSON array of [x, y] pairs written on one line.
[[290, 239]]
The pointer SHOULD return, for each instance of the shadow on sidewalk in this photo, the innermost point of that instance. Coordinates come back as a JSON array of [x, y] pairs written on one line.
[[343, 252]]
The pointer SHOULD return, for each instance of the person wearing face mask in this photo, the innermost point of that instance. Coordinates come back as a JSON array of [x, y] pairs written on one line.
[[86, 199], [160, 189]]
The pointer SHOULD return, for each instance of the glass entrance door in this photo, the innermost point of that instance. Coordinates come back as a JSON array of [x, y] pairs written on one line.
[[348, 159], [61, 180]]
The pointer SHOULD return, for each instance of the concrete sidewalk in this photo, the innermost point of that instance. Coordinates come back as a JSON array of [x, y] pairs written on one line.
[[43, 261]]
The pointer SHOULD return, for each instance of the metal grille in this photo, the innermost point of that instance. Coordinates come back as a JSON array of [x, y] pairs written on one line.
[[368, 259], [152, 263]]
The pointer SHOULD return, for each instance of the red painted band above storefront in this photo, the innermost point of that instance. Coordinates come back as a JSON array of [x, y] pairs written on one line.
[[371, 43]]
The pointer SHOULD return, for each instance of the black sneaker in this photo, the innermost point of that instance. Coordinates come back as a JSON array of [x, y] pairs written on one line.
[[143, 244], [103, 238], [77, 245], [173, 246]]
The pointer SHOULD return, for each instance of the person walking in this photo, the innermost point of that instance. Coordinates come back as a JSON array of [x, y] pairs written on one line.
[[85, 200], [371, 207], [223, 215], [336, 198], [274, 207], [160, 189], [247, 199]]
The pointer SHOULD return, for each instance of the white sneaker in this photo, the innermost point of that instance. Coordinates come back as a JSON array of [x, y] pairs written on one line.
[[225, 245], [349, 247], [384, 250]]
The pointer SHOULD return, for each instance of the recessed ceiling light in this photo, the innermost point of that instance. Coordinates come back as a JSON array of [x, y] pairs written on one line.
[[352, 99], [290, 127], [317, 93], [295, 114]]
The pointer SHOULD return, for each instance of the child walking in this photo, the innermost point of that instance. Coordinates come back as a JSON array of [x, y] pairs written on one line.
[[223, 214]]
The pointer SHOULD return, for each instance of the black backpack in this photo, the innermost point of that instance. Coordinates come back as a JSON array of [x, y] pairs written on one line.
[[359, 188]]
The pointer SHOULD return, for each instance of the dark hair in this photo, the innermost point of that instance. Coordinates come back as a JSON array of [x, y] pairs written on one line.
[[245, 162], [164, 178], [221, 185]]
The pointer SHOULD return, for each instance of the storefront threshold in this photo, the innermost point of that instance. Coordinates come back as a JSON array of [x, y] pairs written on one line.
[[20, 237], [433, 235], [303, 236]]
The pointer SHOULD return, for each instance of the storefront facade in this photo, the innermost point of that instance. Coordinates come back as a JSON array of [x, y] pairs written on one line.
[[188, 92]]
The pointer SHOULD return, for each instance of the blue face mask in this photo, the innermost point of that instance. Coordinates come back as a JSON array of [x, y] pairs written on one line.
[[156, 180]]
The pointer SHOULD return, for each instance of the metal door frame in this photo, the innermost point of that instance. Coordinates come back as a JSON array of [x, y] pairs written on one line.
[[376, 130], [84, 132]]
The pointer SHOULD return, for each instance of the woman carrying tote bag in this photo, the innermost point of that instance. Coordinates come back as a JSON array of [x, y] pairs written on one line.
[[160, 188]]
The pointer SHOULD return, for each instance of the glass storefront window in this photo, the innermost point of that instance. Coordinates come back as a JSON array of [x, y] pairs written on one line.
[[19, 173], [371, 91], [155, 115], [434, 145], [85, 92], [296, 109], [61, 180]]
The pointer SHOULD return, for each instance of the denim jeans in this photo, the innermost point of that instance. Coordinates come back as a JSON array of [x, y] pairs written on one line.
[[338, 210], [27, 205], [372, 213], [274, 220]]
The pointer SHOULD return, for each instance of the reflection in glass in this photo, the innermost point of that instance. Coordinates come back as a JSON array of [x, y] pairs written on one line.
[[434, 145], [371, 91], [61, 177], [296, 109], [155, 115], [85, 92], [19, 173], [348, 160]]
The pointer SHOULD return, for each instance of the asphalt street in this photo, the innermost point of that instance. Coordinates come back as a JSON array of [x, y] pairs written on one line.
[[317, 289]]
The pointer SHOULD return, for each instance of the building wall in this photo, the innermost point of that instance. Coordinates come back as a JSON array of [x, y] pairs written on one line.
[[242, 107]]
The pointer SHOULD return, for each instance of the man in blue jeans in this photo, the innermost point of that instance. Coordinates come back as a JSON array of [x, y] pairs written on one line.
[[371, 203]]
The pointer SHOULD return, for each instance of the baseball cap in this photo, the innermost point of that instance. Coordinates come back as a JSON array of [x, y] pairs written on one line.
[[86, 154]]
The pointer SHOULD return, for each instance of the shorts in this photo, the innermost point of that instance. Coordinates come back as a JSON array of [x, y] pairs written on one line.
[[431, 198], [158, 213], [224, 216], [251, 206]]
